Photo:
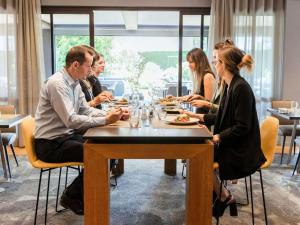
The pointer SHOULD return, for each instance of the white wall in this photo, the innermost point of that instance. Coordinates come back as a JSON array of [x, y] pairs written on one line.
[[130, 3], [291, 80]]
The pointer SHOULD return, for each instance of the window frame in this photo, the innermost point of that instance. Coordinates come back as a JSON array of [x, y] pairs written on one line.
[[203, 11]]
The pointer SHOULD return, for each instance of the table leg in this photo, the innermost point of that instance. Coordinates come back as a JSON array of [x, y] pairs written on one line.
[[199, 189], [97, 198], [3, 158], [292, 141], [170, 167]]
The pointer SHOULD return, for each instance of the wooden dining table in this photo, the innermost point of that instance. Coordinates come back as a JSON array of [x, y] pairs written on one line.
[[7, 121], [155, 140]]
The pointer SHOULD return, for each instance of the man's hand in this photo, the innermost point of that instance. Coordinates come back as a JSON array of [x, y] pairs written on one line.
[[125, 114], [114, 115]]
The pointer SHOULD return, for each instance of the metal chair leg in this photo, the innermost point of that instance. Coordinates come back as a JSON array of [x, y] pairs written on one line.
[[263, 196], [58, 186], [296, 165], [251, 195], [218, 209], [282, 150], [13, 151], [49, 174], [66, 181], [38, 197], [247, 195], [6, 156]]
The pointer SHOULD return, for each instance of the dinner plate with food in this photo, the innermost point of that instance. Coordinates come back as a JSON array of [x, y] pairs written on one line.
[[168, 102], [182, 119], [122, 101]]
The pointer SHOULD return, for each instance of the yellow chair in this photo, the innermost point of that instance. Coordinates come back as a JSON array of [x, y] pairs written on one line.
[[27, 127], [268, 135]]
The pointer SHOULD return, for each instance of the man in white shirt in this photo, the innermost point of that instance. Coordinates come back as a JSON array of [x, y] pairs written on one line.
[[63, 114]]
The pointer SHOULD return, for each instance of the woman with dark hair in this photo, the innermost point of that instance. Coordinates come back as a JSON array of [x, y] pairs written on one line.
[[213, 105], [203, 77], [91, 86], [236, 132]]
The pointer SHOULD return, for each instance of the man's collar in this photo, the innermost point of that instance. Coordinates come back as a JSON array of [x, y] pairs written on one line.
[[68, 78]]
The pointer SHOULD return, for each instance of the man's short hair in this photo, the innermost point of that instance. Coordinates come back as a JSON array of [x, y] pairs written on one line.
[[77, 53]]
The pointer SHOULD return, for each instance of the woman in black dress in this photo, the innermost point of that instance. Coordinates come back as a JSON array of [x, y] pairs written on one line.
[[236, 132]]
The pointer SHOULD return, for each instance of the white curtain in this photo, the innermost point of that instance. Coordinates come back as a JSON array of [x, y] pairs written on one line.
[[258, 29], [8, 81]]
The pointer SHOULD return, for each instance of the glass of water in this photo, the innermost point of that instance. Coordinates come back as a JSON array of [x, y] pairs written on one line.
[[161, 114], [294, 106], [134, 117]]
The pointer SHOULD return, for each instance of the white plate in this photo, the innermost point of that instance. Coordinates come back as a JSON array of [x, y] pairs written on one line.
[[171, 120]]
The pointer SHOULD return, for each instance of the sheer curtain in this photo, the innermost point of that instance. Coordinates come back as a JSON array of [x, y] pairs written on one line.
[[258, 29], [8, 83]]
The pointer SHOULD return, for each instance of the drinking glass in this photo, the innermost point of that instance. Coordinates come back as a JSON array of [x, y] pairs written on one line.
[[134, 117], [161, 114], [294, 106]]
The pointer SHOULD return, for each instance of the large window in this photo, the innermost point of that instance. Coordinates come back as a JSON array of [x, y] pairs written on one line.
[[141, 48]]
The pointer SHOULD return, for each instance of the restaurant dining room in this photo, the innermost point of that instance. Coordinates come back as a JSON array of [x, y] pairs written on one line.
[[149, 112]]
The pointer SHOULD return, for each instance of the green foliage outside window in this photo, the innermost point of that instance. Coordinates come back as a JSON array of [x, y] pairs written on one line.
[[62, 45]]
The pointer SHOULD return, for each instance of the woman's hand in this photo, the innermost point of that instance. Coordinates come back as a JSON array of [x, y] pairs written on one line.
[[194, 97], [108, 94], [200, 103], [96, 101], [103, 98], [190, 114], [216, 139]]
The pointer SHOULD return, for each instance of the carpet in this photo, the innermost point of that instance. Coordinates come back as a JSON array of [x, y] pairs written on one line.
[[146, 196]]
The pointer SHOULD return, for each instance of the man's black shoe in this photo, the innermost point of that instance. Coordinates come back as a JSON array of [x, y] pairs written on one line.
[[73, 204]]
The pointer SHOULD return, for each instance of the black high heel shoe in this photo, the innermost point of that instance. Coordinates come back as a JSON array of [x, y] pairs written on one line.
[[219, 207]]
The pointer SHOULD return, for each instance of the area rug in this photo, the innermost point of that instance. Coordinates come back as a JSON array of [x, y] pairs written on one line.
[[146, 196]]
